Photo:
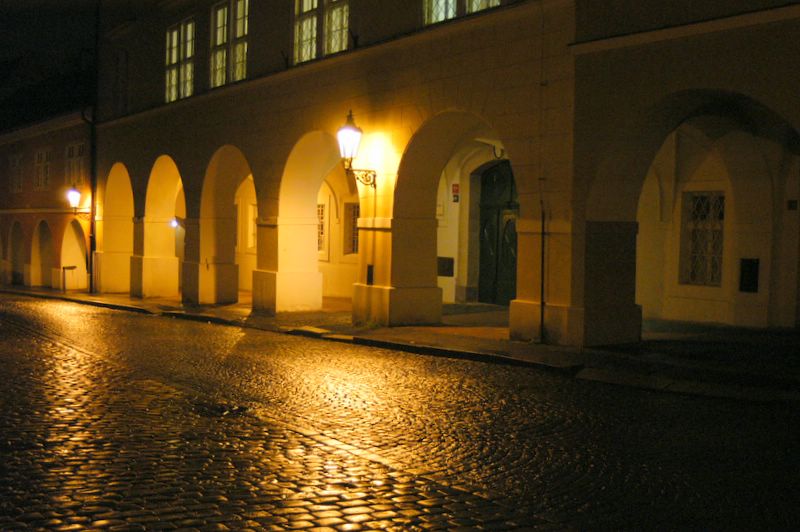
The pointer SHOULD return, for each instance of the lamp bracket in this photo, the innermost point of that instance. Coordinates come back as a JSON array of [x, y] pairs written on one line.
[[365, 177]]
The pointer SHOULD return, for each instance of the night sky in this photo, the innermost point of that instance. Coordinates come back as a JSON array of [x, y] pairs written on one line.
[[46, 51]]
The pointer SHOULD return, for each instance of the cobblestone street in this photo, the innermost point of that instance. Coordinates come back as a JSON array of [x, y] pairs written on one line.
[[126, 421]]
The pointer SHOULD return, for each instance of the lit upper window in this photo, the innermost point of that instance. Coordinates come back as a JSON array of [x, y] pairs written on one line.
[[41, 169], [332, 15], [478, 5], [439, 10], [229, 28], [180, 61], [15, 171], [75, 164]]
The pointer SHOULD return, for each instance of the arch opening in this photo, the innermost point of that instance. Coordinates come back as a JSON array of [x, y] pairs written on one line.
[[17, 254], [454, 223], [317, 227], [228, 240], [74, 257], [158, 271], [114, 228], [686, 219], [42, 256]]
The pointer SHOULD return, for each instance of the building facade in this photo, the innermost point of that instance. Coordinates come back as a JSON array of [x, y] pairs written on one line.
[[45, 241], [585, 163]]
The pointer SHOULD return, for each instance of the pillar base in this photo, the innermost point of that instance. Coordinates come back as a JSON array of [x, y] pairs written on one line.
[[112, 272], [286, 291], [576, 326], [154, 276], [389, 306]]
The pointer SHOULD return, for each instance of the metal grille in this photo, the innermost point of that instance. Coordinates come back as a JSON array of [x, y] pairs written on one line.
[[704, 216], [320, 227]]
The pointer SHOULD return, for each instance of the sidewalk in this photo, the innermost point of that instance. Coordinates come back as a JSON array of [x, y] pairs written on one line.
[[714, 361]]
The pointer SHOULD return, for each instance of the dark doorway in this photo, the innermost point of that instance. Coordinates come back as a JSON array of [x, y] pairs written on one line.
[[497, 282]]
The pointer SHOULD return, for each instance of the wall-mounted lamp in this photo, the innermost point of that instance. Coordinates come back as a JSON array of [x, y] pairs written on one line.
[[74, 199], [349, 136]]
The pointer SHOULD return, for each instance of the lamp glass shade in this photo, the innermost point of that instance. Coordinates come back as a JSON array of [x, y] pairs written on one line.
[[74, 198], [349, 137]]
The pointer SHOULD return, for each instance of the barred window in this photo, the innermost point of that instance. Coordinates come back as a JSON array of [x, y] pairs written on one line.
[[321, 227], [438, 10], [15, 172], [478, 5], [229, 41], [179, 61], [41, 169], [702, 238], [75, 164], [351, 213]]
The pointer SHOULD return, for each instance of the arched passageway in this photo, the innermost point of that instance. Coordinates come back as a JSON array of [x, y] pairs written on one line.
[[42, 256], [228, 214], [114, 227], [157, 271], [74, 275], [17, 254], [316, 202], [705, 174], [445, 226]]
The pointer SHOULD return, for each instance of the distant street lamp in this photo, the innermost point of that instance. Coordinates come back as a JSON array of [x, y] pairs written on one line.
[[349, 137], [74, 199]]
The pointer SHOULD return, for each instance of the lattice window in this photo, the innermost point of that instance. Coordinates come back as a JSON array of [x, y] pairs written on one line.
[[15, 172], [219, 45], [305, 30], [337, 15], [438, 10], [241, 9], [75, 164], [179, 61], [41, 169], [321, 227], [351, 213], [320, 27], [478, 5], [702, 238]]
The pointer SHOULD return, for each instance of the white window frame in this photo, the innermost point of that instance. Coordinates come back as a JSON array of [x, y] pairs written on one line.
[[229, 30], [321, 28], [179, 61], [42, 164], [15, 172], [75, 164]]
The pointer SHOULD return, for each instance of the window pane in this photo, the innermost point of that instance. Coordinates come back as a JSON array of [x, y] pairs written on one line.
[[305, 39], [220, 26], [439, 10], [240, 61], [242, 8], [336, 24], [702, 229], [477, 5], [218, 62]]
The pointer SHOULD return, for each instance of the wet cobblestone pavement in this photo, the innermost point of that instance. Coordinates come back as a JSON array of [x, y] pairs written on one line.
[[113, 420]]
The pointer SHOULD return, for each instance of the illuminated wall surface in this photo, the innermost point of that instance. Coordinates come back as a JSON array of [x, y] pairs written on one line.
[[620, 120]]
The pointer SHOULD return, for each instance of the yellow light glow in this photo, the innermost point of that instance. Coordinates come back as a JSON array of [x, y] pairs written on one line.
[[74, 198], [378, 153]]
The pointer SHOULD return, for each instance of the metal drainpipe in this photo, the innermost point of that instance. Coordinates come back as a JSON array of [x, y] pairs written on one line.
[[93, 145]]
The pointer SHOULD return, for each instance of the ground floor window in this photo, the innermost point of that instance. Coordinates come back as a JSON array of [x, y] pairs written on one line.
[[702, 238]]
